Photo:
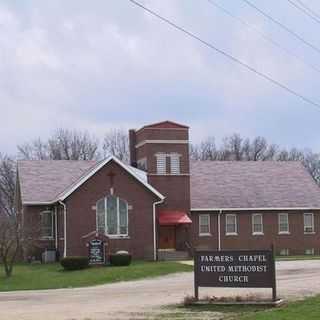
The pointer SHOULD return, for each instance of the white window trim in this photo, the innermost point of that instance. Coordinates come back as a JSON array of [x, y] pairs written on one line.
[[177, 156], [311, 253], [117, 235], [204, 234], [52, 226], [283, 232], [284, 252], [158, 155], [236, 225], [257, 233], [304, 226]]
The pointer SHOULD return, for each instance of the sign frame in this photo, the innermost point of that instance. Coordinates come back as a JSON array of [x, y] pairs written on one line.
[[102, 248], [269, 283]]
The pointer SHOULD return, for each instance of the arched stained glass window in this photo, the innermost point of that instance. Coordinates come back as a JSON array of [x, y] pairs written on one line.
[[101, 215], [112, 216]]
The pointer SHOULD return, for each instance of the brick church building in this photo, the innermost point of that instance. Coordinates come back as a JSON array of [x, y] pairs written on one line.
[[163, 205]]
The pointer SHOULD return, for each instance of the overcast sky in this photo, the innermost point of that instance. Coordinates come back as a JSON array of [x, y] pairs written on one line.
[[97, 65]]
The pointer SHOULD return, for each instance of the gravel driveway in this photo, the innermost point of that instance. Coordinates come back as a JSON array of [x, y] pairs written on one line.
[[123, 300]]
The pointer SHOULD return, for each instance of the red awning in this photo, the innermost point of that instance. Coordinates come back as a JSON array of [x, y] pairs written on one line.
[[173, 218]]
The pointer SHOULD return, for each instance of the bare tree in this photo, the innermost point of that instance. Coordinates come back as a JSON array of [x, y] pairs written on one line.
[[312, 162], [9, 239], [207, 149], [236, 148], [194, 152], [72, 145], [14, 236], [116, 143], [232, 147], [9, 242], [7, 185], [36, 150], [64, 144], [258, 148], [271, 152]]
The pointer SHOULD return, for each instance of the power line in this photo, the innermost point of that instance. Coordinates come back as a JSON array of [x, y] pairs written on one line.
[[229, 56], [302, 4], [297, 36], [304, 11], [264, 36]]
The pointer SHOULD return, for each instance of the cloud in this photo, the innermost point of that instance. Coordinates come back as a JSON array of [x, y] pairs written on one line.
[[112, 65]]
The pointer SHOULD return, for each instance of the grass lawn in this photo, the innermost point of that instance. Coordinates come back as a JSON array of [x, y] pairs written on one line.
[[52, 276], [308, 309]]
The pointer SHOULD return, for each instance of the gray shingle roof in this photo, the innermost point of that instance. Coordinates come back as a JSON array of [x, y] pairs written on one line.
[[214, 184], [268, 184], [42, 181]]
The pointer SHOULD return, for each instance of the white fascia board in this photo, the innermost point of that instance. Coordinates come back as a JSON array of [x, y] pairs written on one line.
[[134, 174], [69, 191], [142, 143], [39, 203], [254, 209]]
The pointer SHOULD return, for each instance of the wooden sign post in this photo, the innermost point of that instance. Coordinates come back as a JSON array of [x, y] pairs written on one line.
[[235, 269]]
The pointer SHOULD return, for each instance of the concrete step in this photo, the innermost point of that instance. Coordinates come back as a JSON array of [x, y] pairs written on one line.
[[172, 255]]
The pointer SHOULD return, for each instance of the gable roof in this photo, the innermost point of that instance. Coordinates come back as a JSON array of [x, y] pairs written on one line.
[[42, 180], [139, 175], [164, 125], [46, 182], [252, 185]]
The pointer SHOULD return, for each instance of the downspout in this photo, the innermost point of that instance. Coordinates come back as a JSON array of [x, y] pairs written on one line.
[[56, 226], [219, 230], [64, 228], [154, 229]]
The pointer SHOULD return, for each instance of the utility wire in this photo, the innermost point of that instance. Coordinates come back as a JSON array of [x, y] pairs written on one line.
[[264, 35], [302, 4], [297, 36], [304, 11], [229, 56]]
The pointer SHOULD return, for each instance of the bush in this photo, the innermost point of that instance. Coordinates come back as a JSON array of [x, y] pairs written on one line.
[[75, 263], [120, 258]]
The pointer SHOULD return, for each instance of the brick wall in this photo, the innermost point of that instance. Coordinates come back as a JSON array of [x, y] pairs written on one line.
[[81, 217], [31, 223], [297, 242]]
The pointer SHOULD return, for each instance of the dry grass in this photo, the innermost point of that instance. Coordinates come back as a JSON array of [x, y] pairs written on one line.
[[189, 300]]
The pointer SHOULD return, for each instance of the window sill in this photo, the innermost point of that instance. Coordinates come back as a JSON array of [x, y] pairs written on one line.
[[47, 238], [309, 232], [284, 233], [232, 234], [258, 234], [117, 237], [205, 234]]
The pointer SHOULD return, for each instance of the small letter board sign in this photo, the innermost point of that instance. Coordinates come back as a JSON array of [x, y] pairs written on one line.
[[236, 269], [96, 251]]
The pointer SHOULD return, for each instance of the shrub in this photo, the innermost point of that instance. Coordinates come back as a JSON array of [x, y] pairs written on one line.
[[120, 258], [75, 263]]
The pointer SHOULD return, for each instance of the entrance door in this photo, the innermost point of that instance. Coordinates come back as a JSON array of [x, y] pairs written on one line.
[[167, 237]]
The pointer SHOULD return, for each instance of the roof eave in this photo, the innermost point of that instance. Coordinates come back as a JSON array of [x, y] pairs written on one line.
[[70, 190], [256, 209], [38, 203]]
